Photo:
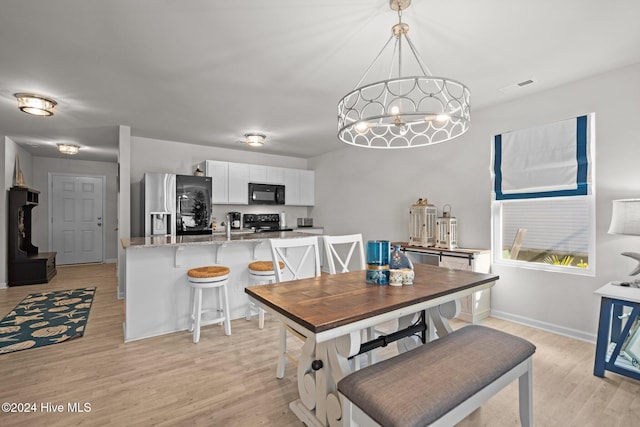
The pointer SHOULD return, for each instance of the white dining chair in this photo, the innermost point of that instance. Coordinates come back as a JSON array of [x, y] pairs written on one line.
[[341, 250], [301, 258], [343, 254]]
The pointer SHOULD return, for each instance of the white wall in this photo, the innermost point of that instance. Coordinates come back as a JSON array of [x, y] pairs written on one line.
[[373, 189], [42, 166], [154, 155]]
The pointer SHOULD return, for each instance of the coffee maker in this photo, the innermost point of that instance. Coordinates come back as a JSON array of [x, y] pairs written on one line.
[[236, 220]]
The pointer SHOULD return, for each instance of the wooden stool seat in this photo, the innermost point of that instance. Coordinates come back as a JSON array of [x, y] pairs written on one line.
[[209, 272], [260, 273], [263, 267], [209, 277]]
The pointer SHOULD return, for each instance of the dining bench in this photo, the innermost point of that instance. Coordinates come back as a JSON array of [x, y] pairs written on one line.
[[441, 382]]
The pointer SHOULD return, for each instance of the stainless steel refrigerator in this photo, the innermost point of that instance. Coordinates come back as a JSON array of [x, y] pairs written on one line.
[[193, 204], [159, 196]]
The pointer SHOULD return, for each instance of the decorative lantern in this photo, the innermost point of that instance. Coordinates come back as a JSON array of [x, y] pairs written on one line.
[[447, 230], [422, 224]]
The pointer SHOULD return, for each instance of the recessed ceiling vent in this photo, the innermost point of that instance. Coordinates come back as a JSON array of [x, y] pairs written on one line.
[[517, 86]]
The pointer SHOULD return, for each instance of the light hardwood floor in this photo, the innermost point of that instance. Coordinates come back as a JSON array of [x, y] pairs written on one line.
[[230, 381]]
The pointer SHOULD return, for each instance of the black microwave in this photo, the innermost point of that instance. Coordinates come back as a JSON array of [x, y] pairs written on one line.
[[266, 194]]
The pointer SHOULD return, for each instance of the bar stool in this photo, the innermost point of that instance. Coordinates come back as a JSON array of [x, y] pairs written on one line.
[[260, 273], [209, 277]]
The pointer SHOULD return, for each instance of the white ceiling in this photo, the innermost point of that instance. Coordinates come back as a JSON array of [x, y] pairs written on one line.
[[206, 72]]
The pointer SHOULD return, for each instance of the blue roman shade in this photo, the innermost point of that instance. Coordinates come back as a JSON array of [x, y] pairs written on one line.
[[545, 161]]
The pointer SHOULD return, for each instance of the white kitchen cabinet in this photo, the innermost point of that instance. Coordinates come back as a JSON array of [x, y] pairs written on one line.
[[275, 175], [300, 187], [266, 174], [231, 182], [258, 173], [238, 183], [477, 306], [307, 187], [292, 187], [219, 171]]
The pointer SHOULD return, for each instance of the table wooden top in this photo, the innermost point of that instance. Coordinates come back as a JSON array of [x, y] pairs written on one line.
[[330, 301]]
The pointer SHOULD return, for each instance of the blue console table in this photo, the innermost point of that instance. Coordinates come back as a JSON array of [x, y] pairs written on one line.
[[612, 330]]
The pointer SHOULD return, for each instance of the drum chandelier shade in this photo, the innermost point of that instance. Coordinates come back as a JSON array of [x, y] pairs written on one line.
[[403, 112]]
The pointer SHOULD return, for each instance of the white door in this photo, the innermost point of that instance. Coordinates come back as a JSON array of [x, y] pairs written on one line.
[[77, 218]]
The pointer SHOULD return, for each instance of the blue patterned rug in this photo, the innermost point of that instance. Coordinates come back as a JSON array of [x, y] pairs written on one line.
[[46, 318]]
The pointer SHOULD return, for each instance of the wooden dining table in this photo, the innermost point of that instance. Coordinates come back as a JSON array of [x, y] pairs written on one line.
[[332, 310]]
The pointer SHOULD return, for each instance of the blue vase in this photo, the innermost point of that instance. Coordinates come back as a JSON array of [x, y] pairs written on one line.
[[378, 262]]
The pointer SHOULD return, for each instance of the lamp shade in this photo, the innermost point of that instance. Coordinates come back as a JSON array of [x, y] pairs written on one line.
[[625, 217]]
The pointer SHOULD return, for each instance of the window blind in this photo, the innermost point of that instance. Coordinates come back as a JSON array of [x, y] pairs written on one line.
[[546, 161]]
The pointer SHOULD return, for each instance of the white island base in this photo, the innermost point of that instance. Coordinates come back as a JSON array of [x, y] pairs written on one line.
[[157, 294]]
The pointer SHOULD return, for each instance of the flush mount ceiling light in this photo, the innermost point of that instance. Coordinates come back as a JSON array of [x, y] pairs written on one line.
[[36, 105], [403, 112], [254, 139], [70, 149]]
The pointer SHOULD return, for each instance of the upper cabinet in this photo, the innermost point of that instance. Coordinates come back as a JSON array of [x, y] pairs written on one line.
[[239, 183], [219, 171], [231, 182], [300, 187], [266, 174]]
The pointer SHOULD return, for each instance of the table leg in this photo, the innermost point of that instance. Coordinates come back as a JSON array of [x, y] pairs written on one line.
[[320, 367], [602, 341]]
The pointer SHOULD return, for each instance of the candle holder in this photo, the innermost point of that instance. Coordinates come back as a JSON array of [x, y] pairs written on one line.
[[378, 262]]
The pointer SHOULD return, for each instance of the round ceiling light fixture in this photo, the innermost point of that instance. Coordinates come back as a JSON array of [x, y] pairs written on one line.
[[254, 139], [70, 149], [36, 105]]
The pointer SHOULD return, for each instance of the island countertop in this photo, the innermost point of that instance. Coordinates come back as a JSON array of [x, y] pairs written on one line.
[[206, 239]]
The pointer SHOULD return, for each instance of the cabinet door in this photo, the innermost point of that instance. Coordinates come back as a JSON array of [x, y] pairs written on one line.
[[292, 187], [475, 307], [219, 171], [258, 173], [307, 188], [238, 183], [457, 263], [275, 175]]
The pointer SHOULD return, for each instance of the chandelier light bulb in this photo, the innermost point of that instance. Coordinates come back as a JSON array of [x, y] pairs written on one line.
[[361, 127]]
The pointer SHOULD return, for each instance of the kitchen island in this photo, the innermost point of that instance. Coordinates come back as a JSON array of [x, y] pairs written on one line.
[[157, 293]]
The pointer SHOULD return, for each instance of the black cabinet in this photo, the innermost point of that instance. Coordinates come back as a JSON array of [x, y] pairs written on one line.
[[26, 265]]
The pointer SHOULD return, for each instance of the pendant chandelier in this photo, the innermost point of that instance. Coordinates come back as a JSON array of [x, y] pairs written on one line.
[[403, 111]]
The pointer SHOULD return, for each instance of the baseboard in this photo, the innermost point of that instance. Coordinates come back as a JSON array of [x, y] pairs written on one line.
[[549, 327], [110, 261], [3, 285]]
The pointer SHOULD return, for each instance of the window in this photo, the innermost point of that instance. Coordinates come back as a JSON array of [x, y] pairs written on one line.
[[543, 206]]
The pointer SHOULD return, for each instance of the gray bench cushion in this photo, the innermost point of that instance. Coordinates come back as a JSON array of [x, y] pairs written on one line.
[[418, 387]]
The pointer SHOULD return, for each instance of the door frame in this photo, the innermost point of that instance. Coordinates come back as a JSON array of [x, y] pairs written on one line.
[[103, 180]]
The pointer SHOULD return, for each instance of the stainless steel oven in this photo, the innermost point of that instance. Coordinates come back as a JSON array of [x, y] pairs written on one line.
[[266, 194]]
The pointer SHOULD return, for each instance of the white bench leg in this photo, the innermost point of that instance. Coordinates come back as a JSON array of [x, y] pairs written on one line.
[[525, 393]]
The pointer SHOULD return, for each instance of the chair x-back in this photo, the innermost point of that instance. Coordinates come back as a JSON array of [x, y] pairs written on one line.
[[301, 258], [341, 249]]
